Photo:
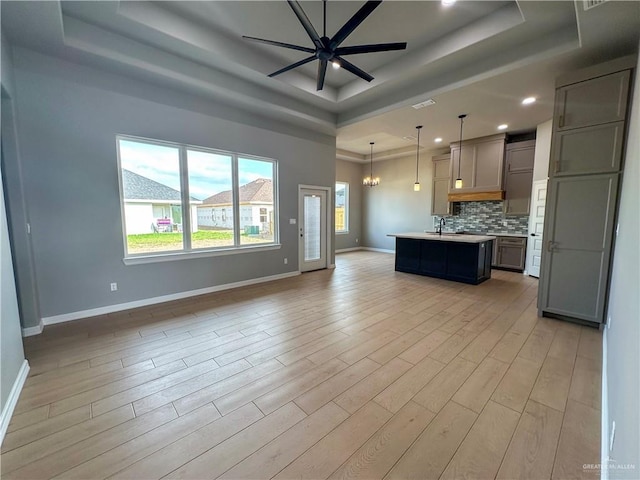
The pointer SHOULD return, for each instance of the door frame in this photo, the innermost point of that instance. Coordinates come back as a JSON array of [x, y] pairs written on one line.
[[529, 254], [330, 227]]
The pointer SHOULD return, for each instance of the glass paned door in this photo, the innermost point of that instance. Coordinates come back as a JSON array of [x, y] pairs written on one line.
[[313, 229]]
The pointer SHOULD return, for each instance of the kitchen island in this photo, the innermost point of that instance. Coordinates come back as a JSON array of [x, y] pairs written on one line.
[[457, 257]]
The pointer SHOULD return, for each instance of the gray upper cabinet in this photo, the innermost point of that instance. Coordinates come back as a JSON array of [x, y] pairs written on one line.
[[588, 150], [440, 186], [518, 177], [585, 169], [596, 101], [482, 164]]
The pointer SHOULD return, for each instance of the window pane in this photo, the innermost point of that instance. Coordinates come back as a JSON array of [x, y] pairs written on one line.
[[342, 207], [257, 218], [211, 191], [312, 227], [152, 198]]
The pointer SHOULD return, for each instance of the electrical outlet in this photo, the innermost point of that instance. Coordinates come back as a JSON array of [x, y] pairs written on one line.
[[286, 261], [114, 286], [292, 221], [357, 240], [608, 321]]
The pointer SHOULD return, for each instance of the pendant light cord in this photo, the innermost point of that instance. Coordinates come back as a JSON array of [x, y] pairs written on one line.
[[461, 117], [418, 152], [371, 159]]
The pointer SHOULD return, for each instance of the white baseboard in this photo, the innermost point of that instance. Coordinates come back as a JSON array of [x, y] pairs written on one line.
[[12, 400], [30, 331], [67, 317], [381, 250], [344, 250]]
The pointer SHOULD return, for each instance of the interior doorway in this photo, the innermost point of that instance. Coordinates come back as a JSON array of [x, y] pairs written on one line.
[[536, 227]]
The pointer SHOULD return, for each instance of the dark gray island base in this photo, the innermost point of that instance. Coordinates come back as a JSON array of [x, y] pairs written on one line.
[[461, 258]]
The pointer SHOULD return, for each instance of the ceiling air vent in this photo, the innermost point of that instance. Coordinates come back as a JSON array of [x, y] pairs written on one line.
[[426, 103], [588, 4]]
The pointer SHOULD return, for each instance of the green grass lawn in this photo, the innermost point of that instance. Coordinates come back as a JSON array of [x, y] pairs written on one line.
[[155, 242]]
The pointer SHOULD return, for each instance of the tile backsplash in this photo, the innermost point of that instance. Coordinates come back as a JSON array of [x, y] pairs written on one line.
[[484, 217]]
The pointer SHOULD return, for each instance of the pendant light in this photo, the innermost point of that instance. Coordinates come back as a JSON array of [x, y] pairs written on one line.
[[416, 186], [370, 181], [459, 179]]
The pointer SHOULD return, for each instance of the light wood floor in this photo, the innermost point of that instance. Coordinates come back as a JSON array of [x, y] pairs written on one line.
[[357, 372]]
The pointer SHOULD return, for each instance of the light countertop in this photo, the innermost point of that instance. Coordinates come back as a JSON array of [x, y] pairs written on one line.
[[445, 237], [491, 234]]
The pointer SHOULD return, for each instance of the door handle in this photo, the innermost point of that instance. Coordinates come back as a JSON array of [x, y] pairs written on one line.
[[551, 245], [533, 235]]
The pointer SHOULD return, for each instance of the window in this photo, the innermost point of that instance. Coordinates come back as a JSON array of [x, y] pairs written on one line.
[[181, 199], [342, 207]]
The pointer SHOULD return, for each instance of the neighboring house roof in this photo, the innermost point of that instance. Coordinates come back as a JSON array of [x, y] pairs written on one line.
[[137, 187], [260, 190]]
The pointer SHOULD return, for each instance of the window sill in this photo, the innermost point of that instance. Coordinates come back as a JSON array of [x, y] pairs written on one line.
[[344, 232], [172, 256]]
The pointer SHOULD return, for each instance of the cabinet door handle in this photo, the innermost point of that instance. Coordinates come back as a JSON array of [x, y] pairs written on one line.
[[560, 121]]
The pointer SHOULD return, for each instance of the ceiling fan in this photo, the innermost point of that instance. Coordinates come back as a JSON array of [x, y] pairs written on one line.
[[328, 49]]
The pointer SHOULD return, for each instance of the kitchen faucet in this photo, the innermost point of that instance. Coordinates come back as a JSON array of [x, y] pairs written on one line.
[[441, 223]]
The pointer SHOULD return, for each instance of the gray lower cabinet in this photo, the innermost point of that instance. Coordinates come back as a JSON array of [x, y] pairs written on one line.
[[585, 171], [509, 253], [580, 216]]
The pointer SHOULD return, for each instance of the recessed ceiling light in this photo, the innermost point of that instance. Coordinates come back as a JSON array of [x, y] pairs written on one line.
[[529, 100], [504, 126], [437, 140], [448, 3]]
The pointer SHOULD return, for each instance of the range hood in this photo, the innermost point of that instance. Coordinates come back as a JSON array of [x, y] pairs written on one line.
[[475, 196]]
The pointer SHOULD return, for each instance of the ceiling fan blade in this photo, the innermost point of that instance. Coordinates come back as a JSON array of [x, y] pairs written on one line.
[[293, 65], [322, 71], [350, 67], [279, 44], [379, 47], [306, 23], [353, 22]]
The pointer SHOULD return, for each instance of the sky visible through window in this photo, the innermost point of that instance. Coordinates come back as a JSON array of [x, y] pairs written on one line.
[[209, 173]]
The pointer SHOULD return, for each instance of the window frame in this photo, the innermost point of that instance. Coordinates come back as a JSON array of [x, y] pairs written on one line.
[[187, 250], [346, 207]]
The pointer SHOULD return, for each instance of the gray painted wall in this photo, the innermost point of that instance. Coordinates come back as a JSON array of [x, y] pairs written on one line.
[[11, 352], [68, 116], [623, 332], [393, 206], [16, 201], [351, 173]]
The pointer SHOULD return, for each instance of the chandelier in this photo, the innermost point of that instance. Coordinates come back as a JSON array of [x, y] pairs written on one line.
[[371, 181]]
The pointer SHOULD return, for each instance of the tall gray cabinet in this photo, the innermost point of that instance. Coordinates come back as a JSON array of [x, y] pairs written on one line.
[[585, 170]]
